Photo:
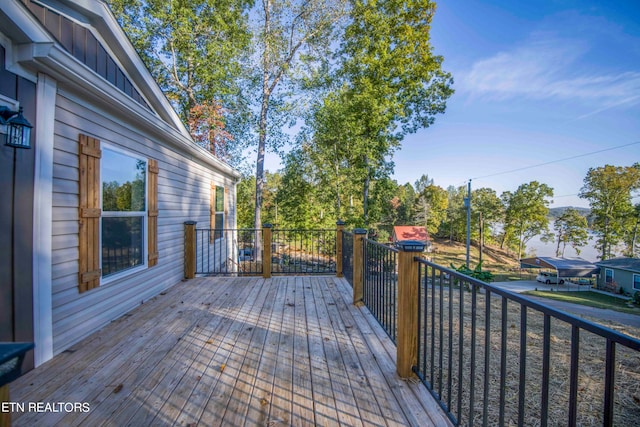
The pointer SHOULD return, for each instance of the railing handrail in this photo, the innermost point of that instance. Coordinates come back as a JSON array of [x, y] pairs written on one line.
[[381, 245], [274, 229], [592, 327]]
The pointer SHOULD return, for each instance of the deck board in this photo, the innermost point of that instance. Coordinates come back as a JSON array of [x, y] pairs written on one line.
[[233, 351]]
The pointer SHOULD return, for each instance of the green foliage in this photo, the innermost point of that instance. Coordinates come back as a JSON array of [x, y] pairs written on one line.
[[636, 297], [631, 238], [431, 208], [476, 273], [298, 203], [124, 197], [609, 189], [526, 214], [570, 228], [455, 225], [423, 182], [245, 198], [292, 41], [401, 209], [387, 83], [195, 50], [487, 211]]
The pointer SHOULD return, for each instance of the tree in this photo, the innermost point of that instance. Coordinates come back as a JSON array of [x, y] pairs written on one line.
[[380, 204], [206, 124], [335, 153], [194, 49], [632, 240], [244, 201], [404, 205], [298, 202], [526, 213], [486, 212], [290, 34], [431, 207], [455, 223], [609, 189], [387, 84], [423, 182], [571, 228]]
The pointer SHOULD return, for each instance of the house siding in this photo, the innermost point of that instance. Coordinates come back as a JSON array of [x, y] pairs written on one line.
[[622, 278], [183, 194], [85, 47]]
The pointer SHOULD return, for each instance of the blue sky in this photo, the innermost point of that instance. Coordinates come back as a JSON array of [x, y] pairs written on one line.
[[536, 82]]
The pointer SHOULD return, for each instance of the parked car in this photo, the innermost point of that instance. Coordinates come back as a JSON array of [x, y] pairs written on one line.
[[548, 278]]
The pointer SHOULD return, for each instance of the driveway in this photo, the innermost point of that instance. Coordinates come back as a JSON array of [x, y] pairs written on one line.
[[576, 309]]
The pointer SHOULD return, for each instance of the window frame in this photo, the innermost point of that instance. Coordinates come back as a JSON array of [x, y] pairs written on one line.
[[606, 275], [218, 189], [635, 277], [122, 214]]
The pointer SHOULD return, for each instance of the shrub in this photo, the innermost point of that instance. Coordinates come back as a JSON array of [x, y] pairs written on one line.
[[476, 273]]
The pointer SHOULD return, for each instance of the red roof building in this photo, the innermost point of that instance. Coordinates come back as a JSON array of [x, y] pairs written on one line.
[[410, 232]]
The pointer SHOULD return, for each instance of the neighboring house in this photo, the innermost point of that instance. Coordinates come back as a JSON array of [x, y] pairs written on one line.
[[411, 232], [620, 273], [562, 267], [91, 221]]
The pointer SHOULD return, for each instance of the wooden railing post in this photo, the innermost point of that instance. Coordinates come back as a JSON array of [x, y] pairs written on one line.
[[339, 234], [189, 249], [407, 346], [359, 234], [266, 247]]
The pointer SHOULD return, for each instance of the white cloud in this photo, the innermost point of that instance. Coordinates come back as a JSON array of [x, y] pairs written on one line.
[[548, 68]]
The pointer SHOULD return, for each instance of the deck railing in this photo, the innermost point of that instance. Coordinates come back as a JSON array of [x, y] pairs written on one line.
[[227, 251], [380, 288], [303, 251], [347, 256], [493, 357], [488, 356], [263, 251]]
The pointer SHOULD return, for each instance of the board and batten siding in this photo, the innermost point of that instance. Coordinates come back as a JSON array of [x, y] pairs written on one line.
[[183, 194]]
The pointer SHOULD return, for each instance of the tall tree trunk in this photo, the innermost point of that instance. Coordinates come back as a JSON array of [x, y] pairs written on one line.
[[450, 232], [605, 239], [262, 138], [337, 163], [260, 161], [634, 239], [520, 244]]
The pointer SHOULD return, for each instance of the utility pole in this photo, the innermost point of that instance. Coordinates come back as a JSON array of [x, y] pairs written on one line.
[[481, 235], [467, 204]]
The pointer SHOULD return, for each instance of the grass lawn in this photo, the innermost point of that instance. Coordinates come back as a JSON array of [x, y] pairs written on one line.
[[588, 298]]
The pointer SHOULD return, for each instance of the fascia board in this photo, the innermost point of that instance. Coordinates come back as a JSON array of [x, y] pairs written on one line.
[[57, 62], [31, 49], [20, 25]]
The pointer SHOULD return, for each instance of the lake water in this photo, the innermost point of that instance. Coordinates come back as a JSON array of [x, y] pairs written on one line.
[[537, 248]]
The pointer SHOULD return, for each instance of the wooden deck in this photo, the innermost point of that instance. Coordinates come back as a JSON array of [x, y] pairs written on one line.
[[233, 351]]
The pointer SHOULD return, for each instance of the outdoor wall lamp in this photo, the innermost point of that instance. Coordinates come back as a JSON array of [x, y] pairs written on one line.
[[16, 129]]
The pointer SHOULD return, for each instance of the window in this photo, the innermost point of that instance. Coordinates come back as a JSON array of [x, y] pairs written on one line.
[[124, 212], [217, 211], [608, 275], [118, 212], [636, 282]]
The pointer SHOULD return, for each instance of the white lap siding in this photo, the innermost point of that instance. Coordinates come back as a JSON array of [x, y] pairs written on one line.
[[183, 194]]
